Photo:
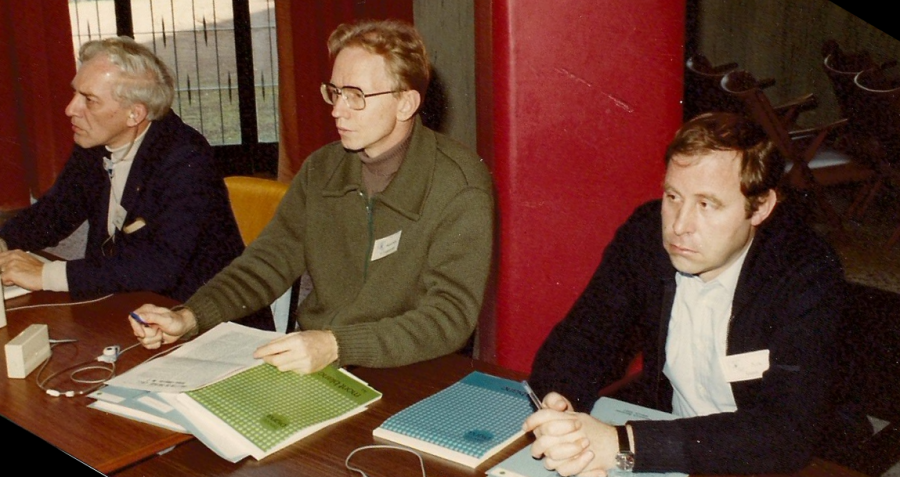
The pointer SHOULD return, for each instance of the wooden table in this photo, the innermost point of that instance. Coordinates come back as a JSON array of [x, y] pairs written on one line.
[[121, 447], [323, 453], [100, 440]]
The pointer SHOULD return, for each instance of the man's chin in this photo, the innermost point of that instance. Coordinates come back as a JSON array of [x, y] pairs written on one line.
[[684, 265], [84, 142]]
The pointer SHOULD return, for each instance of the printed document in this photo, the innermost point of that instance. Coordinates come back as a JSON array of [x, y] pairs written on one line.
[[220, 352]]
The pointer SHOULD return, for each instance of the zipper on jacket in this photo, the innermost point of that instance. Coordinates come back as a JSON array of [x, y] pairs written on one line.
[[370, 223]]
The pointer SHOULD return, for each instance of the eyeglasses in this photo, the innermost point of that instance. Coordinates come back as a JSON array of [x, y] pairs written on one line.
[[354, 96]]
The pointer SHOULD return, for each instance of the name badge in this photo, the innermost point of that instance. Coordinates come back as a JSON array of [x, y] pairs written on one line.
[[386, 246], [133, 227], [745, 366]]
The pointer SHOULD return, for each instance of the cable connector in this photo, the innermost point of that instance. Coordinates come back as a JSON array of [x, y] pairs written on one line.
[[110, 354]]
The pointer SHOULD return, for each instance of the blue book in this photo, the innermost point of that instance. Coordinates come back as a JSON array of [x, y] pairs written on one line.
[[467, 422], [608, 410]]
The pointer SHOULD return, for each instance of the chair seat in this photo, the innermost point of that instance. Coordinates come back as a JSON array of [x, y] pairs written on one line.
[[832, 167]]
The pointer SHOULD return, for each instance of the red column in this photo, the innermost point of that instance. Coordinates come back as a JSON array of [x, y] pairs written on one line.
[[577, 101]]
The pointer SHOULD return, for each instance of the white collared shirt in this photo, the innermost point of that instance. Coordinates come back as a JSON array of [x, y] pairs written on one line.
[[698, 340]]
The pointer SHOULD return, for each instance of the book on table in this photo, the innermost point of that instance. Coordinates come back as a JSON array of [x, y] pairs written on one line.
[[608, 410], [467, 422], [238, 406], [262, 410]]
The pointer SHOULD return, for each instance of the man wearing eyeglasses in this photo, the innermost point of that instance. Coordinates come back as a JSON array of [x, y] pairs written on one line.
[[145, 182], [393, 224]]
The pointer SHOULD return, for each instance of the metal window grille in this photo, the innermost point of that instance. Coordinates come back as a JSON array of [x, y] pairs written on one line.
[[209, 44]]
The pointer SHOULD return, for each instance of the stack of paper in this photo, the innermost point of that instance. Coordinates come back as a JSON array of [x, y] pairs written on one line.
[[238, 407], [468, 422]]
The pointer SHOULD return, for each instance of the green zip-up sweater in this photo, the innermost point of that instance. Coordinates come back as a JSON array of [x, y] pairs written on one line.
[[418, 302]]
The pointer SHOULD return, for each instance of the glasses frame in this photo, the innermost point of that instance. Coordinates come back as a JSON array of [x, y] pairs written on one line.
[[325, 87]]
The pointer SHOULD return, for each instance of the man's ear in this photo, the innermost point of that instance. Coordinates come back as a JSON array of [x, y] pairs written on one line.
[[137, 113], [766, 206], [409, 104]]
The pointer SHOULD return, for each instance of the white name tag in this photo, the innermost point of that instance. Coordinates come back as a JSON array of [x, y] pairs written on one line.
[[745, 366], [386, 246]]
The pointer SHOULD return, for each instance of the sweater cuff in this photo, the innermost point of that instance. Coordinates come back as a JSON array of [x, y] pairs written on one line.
[[3, 246], [205, 312], [355, 344]]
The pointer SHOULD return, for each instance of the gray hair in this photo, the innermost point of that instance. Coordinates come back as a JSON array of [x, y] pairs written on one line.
[[145, 79]]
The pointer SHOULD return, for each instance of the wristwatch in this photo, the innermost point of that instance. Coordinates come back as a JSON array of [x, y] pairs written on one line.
[[625, 457]]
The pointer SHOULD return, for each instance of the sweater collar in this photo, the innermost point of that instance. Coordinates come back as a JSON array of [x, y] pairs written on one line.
[[407, 191]]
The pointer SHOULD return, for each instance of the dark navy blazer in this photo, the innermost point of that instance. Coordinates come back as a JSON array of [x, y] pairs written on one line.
[[173, 187]]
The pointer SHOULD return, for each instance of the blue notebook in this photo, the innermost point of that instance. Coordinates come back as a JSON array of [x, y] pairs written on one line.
[[467, 422]]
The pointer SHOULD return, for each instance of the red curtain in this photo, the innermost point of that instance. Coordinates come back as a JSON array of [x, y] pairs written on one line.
[[37, 63], [303, 28]]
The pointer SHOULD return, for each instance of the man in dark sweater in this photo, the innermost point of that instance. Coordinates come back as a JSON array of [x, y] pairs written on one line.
[[734, 305]]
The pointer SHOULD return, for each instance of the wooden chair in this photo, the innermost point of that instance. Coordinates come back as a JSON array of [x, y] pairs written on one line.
[[805, 171], [702, 92], [254, 201], [877, 104]]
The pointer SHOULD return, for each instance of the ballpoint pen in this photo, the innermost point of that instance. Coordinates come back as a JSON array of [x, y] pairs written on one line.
[[531, 395], [137, 318]]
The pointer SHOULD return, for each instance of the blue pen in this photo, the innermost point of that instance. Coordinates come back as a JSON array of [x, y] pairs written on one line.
[[138, 319], [531, 395]]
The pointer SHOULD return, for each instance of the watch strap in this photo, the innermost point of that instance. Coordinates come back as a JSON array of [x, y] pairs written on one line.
[[625, 456], [622, 432]]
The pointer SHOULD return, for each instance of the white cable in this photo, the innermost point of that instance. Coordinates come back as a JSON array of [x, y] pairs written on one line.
[[44, 305], [381, 446]]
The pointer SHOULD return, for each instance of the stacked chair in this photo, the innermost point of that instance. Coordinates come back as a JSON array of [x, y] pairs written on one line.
[[702, 92], [877, 105], [856, 139], [867, 93], [807, 171]]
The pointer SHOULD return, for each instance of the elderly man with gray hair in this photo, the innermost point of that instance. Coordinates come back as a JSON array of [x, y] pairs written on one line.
[[146, 183]]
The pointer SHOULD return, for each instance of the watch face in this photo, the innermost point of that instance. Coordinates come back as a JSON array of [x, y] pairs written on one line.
[[625, 461]]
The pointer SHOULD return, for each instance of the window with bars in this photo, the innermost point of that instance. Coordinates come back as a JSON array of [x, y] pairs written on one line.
[[224, 57]]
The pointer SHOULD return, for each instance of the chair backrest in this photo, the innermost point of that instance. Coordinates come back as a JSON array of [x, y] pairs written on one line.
[[877, 108], [253, 201], [702, 92], [841, 68], [745, 87]]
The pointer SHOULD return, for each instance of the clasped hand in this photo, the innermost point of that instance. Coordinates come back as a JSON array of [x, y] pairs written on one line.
[[571, 443], [303, 352]]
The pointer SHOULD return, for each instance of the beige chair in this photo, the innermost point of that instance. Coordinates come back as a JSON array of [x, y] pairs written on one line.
[[254, 201]]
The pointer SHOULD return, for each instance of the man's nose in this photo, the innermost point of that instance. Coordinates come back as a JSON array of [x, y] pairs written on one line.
[[340, 108], [73, 107], [684, 220]]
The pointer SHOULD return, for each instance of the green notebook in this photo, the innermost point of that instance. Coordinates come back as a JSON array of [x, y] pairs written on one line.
[[467, 422], [272, 409]]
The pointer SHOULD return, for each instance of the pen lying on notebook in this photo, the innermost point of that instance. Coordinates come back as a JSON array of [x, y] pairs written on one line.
[[531, 395]]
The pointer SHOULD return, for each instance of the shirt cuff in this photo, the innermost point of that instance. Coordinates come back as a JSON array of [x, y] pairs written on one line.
[[53, 276]]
